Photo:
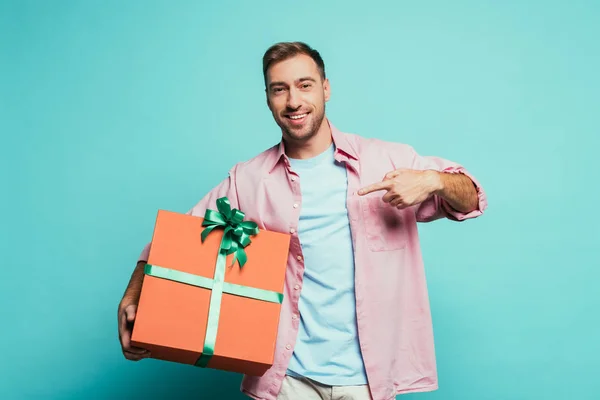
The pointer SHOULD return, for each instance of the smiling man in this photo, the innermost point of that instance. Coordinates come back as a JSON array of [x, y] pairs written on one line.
[[355, 322]]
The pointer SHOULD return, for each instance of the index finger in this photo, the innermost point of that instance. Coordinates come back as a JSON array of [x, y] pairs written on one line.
[[125, 338], [122, 323], [384, 185]]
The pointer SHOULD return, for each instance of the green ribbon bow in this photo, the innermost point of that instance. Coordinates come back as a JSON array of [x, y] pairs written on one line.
[[236, 237], [237, 231]]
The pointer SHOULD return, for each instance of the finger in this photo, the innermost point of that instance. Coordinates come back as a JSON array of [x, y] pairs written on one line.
[[135, 350], [125, 338], [389, 196], [122, 323], [402, 205], [396, 201], [394, 173], [126, 344], [135, 357], [391, 175], [374, 187]]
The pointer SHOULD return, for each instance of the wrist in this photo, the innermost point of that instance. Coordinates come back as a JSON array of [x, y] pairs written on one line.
[[127, 300], [435, 181]]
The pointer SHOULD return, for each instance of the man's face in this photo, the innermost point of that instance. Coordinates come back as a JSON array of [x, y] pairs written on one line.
[[296, 96]]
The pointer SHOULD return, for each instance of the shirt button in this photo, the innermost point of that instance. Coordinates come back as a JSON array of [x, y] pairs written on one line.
[[292, 230], [295, 205], [297, 287], [299, 258], [293, 178], [288, 347], [294, 317]]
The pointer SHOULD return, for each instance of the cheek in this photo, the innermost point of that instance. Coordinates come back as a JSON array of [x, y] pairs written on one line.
[[315, 102], [277, 105], [322, 99], [274, 107]]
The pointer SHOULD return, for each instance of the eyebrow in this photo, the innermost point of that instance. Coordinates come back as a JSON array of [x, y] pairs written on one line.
[[303, 79]]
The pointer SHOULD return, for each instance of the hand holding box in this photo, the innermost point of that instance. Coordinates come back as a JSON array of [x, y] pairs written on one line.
[[197, 306]]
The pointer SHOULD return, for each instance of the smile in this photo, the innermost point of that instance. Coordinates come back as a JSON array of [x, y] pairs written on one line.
[[296, 117]]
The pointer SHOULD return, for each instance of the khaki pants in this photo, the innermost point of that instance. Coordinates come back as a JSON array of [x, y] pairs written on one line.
[[307, 389]]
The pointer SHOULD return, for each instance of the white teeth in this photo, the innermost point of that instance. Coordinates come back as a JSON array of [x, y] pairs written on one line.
[[297, 116]]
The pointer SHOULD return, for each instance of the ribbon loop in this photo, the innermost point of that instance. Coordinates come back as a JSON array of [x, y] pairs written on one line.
[[224, 207], [237, 216], [236, 233]]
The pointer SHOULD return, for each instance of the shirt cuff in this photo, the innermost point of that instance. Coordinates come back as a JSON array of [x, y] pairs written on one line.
[[481, 195], [145, 253]]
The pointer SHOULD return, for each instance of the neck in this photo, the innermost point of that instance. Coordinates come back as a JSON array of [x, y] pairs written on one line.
[[312, 147]]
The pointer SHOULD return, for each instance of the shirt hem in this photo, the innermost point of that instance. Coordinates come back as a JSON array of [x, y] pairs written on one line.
[[325, 382], [252, 395], [429, 388]]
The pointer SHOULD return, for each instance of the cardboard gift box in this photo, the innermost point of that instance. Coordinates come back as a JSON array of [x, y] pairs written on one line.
[[212, 291]]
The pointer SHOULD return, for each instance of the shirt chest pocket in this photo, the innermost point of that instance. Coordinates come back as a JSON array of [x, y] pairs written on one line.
[[384, 225]]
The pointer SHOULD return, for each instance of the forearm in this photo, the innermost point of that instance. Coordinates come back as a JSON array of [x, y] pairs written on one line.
[[134, 288], [458, 190]]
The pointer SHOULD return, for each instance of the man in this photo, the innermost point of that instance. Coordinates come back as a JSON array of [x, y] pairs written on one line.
[[355, 321]]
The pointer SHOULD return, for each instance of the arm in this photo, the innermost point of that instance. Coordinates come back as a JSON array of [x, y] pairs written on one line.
[[458, 195], [134, 288], [128, 305], [436, 187], [458, 190], [126, 314]]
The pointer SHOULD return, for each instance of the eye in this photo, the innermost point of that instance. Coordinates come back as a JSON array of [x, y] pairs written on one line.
[[277, 90], [306, 85]]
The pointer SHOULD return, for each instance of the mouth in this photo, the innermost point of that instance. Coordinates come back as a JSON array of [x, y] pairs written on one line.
[[297, 119]]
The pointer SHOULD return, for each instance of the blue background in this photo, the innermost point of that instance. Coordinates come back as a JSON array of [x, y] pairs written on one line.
[[110, 110]]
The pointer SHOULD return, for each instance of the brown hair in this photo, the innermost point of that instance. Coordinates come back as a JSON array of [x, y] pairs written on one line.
[[283, 50]]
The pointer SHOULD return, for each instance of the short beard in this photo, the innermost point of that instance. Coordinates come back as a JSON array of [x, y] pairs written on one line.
[[314, 128]]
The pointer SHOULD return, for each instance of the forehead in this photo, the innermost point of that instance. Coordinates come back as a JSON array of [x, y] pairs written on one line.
[[293, 68]]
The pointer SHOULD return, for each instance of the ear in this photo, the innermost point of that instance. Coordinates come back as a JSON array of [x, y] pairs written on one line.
[[327, 89]]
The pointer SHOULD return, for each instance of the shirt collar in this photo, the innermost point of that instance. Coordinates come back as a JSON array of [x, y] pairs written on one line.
[[343, 148]]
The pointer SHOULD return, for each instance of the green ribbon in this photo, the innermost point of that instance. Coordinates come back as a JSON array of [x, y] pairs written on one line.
[[207, 283], [237, 231], [236, 237]]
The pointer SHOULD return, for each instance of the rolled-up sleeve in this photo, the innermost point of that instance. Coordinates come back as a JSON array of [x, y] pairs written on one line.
[[226, 188], [436, 207]]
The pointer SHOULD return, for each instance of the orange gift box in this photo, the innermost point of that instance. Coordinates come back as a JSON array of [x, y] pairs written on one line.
[[198, 306]]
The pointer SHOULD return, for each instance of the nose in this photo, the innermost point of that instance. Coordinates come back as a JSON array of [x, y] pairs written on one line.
[[293, 99]]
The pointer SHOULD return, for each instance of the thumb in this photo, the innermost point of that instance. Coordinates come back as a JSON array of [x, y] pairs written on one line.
[[393, 174], [130, 313]]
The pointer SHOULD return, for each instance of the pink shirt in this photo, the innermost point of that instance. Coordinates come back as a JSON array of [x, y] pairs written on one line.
[[392, 305]]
